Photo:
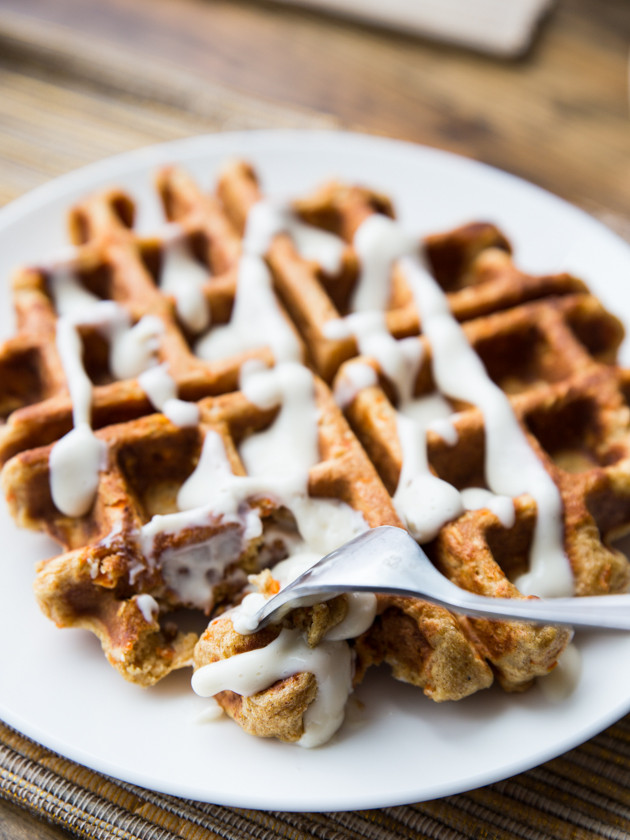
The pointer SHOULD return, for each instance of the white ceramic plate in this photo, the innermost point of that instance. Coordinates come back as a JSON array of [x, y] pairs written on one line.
[[396, 746]]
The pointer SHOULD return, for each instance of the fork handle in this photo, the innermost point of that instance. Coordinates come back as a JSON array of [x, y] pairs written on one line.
[[604, 611], [611, 612]]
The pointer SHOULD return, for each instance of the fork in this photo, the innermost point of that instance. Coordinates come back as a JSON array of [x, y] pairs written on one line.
[[388, 560]]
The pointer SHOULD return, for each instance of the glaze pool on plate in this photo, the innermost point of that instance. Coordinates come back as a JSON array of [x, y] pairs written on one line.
[[396, 746]]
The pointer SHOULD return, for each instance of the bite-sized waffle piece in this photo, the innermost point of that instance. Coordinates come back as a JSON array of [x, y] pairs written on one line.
[[295, 677]]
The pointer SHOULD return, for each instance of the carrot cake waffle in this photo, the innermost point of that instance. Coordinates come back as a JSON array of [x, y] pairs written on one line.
[[199, 415]]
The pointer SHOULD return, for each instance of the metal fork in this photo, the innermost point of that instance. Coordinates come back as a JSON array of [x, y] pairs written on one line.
[[388, 560]]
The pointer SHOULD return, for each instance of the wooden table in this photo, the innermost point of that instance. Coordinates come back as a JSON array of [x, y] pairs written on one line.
[[83, 80]]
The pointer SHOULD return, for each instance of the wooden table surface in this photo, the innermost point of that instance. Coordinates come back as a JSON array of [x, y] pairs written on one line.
[[83, 80]]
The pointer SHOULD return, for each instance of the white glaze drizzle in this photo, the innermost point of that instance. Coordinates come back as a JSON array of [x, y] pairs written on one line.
[[161, 389], [512, 467], [182, 276], [378, 242], [77, 459], [424, 502], [133, 349], [399, 359], [256, 319], [75, 463], [289, 445], [282, 455], [69, 295], [475, 498], [354, 377], [266, 219], [148, 606]]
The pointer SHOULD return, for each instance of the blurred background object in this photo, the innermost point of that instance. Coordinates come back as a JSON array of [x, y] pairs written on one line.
[[494, 26], [84, 80]]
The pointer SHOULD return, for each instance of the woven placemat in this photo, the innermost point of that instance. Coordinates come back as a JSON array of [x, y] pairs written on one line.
[[583, 794]]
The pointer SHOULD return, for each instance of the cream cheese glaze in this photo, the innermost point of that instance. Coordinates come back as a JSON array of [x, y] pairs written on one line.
[[161, 389], [512, 467], [256, 319], [267, 218], [184, 278], [77, 458], [148, 606]]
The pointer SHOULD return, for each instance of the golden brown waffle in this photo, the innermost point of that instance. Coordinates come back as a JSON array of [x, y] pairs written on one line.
[[545, 341], [114, 263], [573, 409], [472, 264]]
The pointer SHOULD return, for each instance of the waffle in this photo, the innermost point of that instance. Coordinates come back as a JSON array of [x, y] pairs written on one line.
[[252, 419]]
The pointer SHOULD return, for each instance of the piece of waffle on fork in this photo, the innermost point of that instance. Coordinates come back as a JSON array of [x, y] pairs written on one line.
[[199, 415]]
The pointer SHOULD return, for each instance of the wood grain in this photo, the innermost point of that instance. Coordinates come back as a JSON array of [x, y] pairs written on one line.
[[51, 125], [558, 117], [65, 104]]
